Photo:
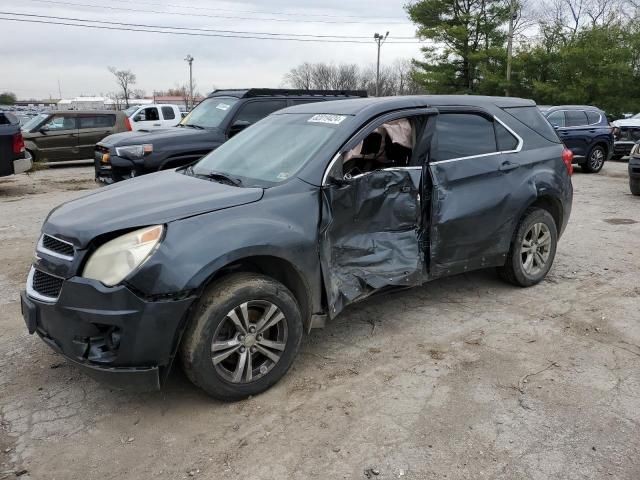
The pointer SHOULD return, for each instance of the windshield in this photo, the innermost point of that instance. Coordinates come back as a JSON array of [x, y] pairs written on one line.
[[29, 125], [130, 111], [209, 113], [637, 115], [272, 150]]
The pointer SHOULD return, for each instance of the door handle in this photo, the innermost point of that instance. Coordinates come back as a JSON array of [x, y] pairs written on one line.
[[157, 125], [508, 166]]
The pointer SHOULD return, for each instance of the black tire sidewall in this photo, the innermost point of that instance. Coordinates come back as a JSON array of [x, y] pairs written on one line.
[[213, 308], [534, 216], [634, 186]]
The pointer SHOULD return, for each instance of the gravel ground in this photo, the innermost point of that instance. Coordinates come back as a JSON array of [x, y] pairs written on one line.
[[464, 378]]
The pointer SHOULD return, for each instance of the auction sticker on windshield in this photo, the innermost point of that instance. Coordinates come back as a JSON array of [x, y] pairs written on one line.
[[324, 118], [223, 106]]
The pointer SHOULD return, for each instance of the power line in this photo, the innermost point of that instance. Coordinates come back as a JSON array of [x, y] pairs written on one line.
[[228, 17], [191, 34], [239, 32], [322, 15]]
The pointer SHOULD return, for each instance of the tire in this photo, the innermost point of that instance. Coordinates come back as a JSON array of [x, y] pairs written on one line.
[[220, 318], [34, 158], [595, 160], [634, 185], [515, 269]]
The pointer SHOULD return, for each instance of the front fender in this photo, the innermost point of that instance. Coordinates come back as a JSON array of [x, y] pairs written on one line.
[[284, 224]]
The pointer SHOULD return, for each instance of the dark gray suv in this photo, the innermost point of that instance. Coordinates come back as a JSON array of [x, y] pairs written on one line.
[[228, 262]]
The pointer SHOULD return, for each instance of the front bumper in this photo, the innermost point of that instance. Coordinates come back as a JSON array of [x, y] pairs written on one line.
[[111, 168], [622, 148], [112, 333]]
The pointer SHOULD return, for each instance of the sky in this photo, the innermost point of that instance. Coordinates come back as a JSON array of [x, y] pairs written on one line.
[[35, 57]]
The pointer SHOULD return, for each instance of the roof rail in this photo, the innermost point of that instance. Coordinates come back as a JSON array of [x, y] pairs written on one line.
[[286, 92]]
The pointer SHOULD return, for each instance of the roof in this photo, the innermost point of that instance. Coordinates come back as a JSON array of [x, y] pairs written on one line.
[[86, 112], [359, 105], [285, 92]]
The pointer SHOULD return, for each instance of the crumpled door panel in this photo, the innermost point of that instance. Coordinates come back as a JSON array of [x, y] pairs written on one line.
[[369, 235]]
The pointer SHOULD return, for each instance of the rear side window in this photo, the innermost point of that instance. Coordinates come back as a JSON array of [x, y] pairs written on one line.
[[556, 118], [97, 121], [460, 135], [254, 111], [532, 118], [168, 113], [575, 118], [505, 139], [593, 117]]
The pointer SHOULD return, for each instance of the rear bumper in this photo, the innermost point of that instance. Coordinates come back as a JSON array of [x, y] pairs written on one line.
[[113, 334], [22, 165]]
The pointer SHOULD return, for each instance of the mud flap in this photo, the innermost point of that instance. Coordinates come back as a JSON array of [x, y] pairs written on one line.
[[370, 235]]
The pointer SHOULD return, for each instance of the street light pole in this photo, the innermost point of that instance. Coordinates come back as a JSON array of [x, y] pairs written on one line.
[[379, 39], [512, 16], [189, 60]]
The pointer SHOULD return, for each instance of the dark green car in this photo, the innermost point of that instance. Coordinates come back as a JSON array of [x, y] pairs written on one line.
[[70, 135]]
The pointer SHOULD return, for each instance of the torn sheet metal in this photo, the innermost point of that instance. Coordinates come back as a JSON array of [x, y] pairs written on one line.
[[369, 236]]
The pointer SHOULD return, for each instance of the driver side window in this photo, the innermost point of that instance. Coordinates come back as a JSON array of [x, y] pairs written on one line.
[[388, 145]]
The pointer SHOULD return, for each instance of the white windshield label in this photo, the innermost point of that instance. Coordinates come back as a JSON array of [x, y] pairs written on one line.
[[330, 119], [223, 106]]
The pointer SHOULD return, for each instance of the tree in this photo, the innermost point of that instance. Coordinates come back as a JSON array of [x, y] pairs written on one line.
[[125, 79], [8, 98], [465, 32]]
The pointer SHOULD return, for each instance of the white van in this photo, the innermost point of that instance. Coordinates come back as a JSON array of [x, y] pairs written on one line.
[[154, 116]]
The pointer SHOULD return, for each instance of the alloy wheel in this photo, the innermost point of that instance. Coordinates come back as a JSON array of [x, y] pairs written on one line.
[[249, 342], [535, 249], [596, 159]]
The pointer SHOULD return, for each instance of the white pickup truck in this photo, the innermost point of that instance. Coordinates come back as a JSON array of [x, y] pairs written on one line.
[[154, 116]]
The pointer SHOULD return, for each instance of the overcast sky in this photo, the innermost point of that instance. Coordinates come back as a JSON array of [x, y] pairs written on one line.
[[34, 57]]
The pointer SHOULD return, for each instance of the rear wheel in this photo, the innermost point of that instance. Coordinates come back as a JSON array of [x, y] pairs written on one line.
[[595, 160], [532, 250], [634, 185], [244, 337]]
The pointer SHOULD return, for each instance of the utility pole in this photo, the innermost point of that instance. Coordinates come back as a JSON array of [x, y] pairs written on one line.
[[512, 17], [379, 39], [189, 60]]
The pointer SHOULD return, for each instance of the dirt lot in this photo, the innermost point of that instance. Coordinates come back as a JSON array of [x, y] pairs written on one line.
[[464, 378]]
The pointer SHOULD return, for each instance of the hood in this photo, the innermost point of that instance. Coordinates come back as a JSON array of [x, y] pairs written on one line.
[[172, 135], [148, 200], [627, 122]]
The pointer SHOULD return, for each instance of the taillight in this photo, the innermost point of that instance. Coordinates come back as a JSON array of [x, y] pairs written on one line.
[[18, 143], [567, 159], [127, 123]]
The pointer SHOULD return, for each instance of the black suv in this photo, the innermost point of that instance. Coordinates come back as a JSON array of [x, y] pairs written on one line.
[[220, 116], [228, 262], [585, 131]]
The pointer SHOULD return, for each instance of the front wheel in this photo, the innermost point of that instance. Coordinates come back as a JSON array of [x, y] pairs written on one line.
[[634, 185], [595, 160], [244, 337], [532, 250]]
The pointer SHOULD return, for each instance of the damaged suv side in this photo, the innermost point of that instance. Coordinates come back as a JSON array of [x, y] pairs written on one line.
[[227, 263]]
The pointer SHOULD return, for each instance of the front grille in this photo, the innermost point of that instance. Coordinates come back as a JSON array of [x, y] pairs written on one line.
[[46, 285], [58, 246], [629, 134]]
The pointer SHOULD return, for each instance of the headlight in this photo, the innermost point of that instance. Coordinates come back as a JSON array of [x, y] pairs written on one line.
[[134, 152], [116, 259]]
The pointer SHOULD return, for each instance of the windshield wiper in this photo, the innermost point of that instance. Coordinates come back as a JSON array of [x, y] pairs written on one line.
[[222, 178], [192, 126]]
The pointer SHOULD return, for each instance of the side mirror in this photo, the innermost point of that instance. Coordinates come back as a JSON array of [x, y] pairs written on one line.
[[138, 118], [44, 129], [237, 127]]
